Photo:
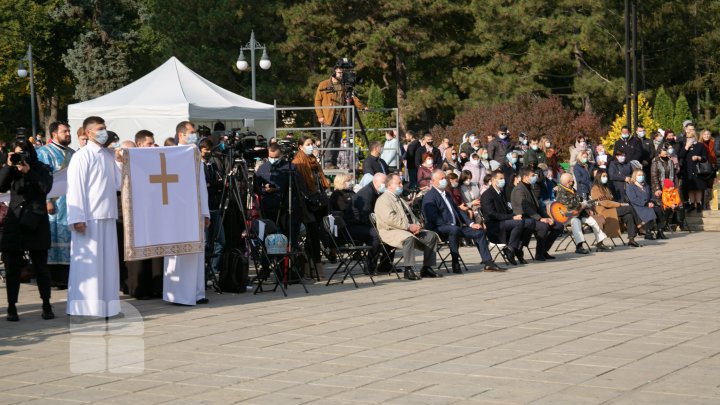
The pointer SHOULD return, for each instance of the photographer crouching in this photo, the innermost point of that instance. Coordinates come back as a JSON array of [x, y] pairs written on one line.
[[27, 227]]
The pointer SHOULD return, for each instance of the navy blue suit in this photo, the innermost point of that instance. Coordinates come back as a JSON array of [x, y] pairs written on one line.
[[439, 218]]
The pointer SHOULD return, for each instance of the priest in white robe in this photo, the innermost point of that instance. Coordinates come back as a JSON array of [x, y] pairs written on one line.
[[93, 181], [184, 275]]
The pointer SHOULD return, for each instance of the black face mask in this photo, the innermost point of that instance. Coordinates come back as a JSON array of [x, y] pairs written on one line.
[[664, 157]]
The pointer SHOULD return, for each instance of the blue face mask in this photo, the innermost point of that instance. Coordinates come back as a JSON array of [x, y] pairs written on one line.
[[641, 179], [192, 138], [273, 160], [625, 136], [399, 191], [308, 150], [101, 136], [382, 188], [603, 180], [533, 179], [501, 183], [443, 184], [513, 160]]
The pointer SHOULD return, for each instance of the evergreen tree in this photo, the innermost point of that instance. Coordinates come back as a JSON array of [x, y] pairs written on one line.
[[663, 110], [682, 113], [375, 120], [645, 117]]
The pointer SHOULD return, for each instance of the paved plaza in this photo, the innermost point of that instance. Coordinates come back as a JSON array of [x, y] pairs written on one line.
[[634, 326]]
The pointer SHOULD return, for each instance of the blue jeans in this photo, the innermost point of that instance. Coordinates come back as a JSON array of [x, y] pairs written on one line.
[[216, 229]]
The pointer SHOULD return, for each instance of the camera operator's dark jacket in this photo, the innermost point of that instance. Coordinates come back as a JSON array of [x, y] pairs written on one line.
[[278, 177], [28, 192], [214, 171]]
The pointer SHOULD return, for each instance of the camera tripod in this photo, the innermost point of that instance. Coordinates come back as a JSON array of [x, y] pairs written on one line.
[[236, 173]]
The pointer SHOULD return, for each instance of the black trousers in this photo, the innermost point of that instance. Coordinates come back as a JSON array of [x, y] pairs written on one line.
[[145, 278], [627, 215], [518, 232], [546, 235], [13, 265]]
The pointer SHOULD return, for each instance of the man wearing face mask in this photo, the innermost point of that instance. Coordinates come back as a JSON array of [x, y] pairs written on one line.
[[184, 276], [567, 195], [620, 173], [57, 155], [443, 216], [503, 226], [500, 145], [428, 148], [399, 228], [272, 185], [93, 180], [358, 218], [629, 145]]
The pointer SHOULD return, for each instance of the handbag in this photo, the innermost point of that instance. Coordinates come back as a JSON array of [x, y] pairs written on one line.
[[703, 168]]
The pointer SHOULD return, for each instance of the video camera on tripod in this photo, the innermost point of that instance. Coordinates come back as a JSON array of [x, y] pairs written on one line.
[[289, 148], [248, 145], [349, 76]]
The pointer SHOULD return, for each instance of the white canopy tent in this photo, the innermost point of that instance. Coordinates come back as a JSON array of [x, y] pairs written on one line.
[[169, 94]]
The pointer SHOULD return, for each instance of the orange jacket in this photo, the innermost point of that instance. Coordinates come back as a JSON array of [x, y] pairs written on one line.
[[330, 94], [670, 197]]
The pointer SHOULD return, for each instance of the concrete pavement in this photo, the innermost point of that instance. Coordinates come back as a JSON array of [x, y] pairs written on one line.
[[626, 327]]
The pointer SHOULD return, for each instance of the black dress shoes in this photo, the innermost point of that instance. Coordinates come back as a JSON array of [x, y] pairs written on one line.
[[581, 250], [456, 268], [547, 256], [649, 236], [202, 301], [47, 312], [631, 242], [540, 257], [509, 255], [520, 256], [601, 247], [427, 271], [409, 274], [12, 314], [661, 235], [491, 266]]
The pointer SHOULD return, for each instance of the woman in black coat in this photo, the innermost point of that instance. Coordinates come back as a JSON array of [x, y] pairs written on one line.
[[689, 155], [26, 225]]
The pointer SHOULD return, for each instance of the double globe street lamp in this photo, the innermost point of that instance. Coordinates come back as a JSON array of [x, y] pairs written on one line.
[[242, 64], [22, 72]]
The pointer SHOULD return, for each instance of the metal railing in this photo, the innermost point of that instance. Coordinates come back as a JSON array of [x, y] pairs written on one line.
[[351, 128]]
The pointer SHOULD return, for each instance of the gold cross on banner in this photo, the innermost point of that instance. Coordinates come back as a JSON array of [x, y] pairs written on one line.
[[163, 178]]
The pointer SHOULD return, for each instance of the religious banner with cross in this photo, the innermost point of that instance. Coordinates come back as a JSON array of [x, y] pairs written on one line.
[[161, 202]]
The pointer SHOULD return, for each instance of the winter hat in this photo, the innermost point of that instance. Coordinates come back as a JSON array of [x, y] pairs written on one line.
[[667, 183]]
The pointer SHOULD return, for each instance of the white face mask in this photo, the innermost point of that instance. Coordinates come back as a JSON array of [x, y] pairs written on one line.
[[547, 144], [429, 162]]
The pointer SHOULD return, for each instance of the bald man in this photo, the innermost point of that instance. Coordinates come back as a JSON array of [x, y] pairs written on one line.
[[565, 194]]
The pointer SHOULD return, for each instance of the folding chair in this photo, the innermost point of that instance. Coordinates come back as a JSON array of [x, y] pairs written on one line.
[[349, 255], [389, 251], [281, 266], [567, 236]]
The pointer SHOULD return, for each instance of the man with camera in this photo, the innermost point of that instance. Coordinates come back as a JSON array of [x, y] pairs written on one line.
[[272, 184], [336, 91]]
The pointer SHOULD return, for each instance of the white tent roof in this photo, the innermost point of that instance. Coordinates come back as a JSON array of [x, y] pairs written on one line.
[[162, 98]]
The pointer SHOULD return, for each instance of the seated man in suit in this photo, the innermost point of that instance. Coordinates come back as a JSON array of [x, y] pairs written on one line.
[[567, 195], [503, 226], [357, 217], [443, 216], [525, 203], [399, 228]]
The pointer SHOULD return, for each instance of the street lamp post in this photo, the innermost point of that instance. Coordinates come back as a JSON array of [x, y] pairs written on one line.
[[22, 72], [242, 63]]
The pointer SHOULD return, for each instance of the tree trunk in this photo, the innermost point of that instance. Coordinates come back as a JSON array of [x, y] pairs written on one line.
[[47, 112], [401, 87]]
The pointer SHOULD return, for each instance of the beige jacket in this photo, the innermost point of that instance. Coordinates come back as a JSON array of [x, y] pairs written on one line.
[[392, 221]]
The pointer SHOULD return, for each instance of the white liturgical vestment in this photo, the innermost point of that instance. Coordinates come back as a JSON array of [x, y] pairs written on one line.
[[93, 180], [184, 275]]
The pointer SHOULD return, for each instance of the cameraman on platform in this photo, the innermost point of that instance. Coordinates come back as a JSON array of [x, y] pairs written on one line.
[[214, 171], [334, 92], [272, 184]]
